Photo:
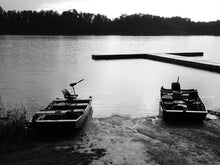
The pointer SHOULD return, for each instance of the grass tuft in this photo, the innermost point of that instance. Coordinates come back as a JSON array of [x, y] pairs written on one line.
[[13, 122]]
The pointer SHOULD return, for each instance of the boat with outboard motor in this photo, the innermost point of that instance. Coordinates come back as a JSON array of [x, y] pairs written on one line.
[[67, 113], [177, 103]]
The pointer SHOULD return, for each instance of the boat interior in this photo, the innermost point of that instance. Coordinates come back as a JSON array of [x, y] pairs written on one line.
[[58, 115], [63, 110], [63, 105], [181, 99]]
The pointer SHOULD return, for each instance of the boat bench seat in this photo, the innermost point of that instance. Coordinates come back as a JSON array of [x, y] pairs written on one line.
[[78, 106], [69, 106], [80, 101]]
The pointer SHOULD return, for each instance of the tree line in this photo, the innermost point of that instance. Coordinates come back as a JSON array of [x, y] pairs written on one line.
[[72, 22]]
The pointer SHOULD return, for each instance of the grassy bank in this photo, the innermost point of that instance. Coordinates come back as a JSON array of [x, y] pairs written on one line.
[[13, 135]]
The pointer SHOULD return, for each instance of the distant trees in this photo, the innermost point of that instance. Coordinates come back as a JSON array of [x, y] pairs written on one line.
[[72, 22]]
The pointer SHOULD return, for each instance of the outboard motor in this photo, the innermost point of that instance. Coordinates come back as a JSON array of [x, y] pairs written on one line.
[[175, 86], [73, 84], [68, 95]]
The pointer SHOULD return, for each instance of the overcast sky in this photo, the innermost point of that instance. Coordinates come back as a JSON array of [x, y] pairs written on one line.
[[197, 10]]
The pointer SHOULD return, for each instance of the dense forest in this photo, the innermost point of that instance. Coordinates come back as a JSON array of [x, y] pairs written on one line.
[[72, 22]]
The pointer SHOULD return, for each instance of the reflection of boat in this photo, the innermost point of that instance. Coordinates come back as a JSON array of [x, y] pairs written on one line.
[[177, 103], [66, 113]]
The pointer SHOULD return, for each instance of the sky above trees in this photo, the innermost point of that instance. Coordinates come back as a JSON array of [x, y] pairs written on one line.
[[197, 10]]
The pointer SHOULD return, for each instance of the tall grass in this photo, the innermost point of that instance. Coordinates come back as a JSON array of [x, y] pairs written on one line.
[[13, 124]]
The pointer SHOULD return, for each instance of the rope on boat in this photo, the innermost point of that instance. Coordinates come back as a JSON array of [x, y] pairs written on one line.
[[19, 91]]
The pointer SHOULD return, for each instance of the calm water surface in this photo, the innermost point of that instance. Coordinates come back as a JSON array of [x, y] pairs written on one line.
[[41, 66]]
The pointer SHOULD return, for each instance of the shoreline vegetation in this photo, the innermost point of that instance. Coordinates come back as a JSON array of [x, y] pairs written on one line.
[[13, 131], [72, 22]]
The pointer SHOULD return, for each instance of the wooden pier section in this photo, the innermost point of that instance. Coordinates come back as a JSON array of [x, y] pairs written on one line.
[[184, 59]]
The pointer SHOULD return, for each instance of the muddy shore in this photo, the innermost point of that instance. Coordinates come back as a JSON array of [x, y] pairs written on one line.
[[124, 140]]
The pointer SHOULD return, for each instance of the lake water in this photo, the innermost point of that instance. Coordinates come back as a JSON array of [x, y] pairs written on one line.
[[39, 67]]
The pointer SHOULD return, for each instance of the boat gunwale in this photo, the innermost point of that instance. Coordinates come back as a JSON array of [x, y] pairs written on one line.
[[184, 111]]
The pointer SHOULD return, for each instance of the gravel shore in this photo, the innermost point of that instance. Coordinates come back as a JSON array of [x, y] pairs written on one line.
[[124, 140]]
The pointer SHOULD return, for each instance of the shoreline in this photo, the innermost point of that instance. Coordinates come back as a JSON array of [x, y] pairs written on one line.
[[124, 140]]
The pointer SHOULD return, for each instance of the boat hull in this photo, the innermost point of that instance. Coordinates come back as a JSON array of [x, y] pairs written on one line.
[[181, 104], [182, 114], [61, 124]]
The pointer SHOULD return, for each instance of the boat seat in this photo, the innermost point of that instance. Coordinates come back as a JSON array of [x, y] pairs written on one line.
[[67, 95], [78, 106]]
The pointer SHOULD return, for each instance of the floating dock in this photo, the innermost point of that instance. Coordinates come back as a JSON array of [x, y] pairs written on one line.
[[188, 54], [183, 59]]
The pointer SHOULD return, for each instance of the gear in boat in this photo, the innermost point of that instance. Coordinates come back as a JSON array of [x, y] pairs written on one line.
[[178, 103]]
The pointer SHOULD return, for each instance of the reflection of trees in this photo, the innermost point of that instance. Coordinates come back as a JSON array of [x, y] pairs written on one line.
[[73, 23]]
